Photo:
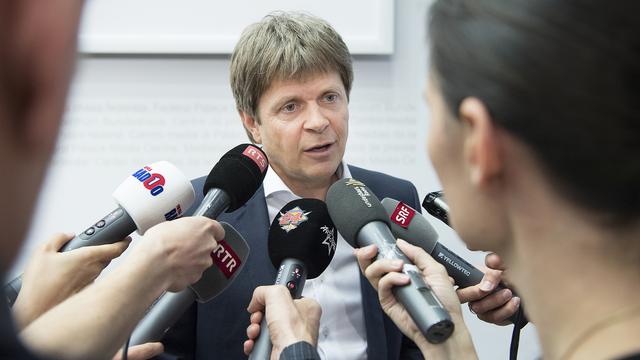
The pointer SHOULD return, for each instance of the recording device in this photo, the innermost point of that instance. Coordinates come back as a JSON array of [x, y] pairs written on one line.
[[233, 180], [302, 242], [229, 258], [436, 205], [151, 195], [363, 221], [407, 224]]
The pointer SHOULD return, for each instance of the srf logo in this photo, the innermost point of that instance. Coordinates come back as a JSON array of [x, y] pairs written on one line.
[[257, 156], [292, 218], [402, 215]]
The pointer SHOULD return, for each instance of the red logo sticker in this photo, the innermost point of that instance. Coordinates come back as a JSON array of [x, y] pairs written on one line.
[[402, 215], [225, 259], [256, 155]]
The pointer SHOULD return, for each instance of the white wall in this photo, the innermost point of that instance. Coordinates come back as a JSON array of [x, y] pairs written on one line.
[[126, 111]]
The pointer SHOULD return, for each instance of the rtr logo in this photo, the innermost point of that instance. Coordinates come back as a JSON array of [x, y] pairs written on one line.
[[225, 259], [174, 213], [151, 181]]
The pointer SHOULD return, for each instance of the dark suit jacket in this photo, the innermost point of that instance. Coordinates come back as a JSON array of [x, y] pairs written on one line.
[[217, 329]]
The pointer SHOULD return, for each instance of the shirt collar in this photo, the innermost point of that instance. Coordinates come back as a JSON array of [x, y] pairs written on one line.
[[273, 184]]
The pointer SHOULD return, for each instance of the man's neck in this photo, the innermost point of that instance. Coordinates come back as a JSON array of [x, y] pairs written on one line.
[[315, 190]]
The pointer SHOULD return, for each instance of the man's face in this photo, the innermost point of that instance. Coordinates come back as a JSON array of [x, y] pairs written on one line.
[[303, 128]]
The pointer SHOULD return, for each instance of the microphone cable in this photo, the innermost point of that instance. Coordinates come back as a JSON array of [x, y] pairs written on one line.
[[125, 348]]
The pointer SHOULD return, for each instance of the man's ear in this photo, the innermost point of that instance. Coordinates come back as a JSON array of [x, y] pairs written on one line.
[[251, 126], [482, 150]]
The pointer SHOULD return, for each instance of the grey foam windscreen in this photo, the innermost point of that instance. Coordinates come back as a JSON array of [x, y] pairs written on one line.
[[351, 206], [408, 224], [229, 258]]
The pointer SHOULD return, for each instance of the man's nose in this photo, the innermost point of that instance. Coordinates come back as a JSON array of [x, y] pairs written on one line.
[[316, 120]]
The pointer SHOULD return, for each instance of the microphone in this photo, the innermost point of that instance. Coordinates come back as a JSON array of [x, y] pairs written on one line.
[[407, 224], [152, 194], [302, 242], [228, 257], [435, 205], [233, 180], [230, 184], [362, 221]]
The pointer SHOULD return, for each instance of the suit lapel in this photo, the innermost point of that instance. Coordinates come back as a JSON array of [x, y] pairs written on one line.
[[252, 221]]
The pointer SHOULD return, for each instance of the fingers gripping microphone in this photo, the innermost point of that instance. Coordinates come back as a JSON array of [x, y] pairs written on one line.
[[228, 257], [362, 221], [407, 224], [302, 242], [233, 180], [151, 195]]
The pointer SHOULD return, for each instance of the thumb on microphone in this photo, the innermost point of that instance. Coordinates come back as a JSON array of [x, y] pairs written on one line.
[[289, 320]]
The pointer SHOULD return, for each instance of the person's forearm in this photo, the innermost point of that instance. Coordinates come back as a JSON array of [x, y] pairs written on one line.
[[96, 322]]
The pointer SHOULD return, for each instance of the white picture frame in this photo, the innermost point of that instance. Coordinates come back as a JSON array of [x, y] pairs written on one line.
[[213, 27]]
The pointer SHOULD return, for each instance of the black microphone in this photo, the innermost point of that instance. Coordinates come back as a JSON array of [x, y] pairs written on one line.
[[435, 205], [411, 226], [233, 180], [302, 242], [362, 221], [152, 194], [228, 257]]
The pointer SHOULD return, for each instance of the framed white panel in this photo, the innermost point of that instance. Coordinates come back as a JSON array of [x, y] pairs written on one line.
[[213, 27]]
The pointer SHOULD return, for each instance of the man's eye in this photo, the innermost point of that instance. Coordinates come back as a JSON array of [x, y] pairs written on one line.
[[331, 97], [289, 107]]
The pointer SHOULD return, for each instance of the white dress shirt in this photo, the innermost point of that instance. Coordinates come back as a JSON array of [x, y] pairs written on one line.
[[342, 333]]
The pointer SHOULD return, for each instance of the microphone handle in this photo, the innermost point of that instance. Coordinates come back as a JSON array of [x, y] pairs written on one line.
[[421, 302], [465, 274], [12, 289], [292, 274], [166, 312], [111, 228], [215, 202]]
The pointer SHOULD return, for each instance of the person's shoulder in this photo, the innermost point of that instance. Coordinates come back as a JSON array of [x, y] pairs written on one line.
[[384, 185], [372, 176]]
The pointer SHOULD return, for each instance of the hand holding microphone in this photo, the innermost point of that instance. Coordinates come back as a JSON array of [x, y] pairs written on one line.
[[231, 183], [150, 195], [362, 221], [289, 320], [408, 224], [302, 242], [51, 277], [386, 274]]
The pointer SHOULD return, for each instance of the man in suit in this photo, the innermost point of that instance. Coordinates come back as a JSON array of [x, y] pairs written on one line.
[[291, 76]]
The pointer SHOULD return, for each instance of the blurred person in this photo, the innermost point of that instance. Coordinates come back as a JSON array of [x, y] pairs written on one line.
[[38, 42], [534, 135]]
